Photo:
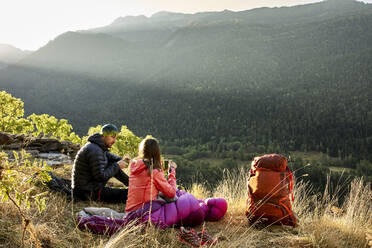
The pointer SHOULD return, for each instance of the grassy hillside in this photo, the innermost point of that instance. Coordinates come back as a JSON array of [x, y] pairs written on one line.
[[319, 225]]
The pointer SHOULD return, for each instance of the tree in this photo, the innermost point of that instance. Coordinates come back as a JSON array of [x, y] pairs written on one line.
[[127, 143], [51, 126], [11, 113]]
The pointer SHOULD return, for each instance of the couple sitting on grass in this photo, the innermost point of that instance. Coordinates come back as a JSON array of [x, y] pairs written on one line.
[[150, 196]]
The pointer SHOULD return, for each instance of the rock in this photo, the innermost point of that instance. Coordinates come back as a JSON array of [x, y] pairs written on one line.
[[69, 145], [51, 146], [5, 139], [13, 146], [53, 164], [27, 141], [45, 145], [53, 156], [20, 138], [55, 159], [33, 153], [52, 151], [65, 143]]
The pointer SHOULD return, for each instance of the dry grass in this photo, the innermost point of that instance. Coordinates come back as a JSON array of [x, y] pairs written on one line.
[[369, 237], [319, 226]]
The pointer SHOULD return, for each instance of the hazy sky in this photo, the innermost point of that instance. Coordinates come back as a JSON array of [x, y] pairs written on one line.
[[30, 24]]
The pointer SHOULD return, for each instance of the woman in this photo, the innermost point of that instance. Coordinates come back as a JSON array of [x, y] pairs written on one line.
[[147, 177]]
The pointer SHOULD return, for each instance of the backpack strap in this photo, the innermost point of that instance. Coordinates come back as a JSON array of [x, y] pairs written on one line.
[[291, 183]]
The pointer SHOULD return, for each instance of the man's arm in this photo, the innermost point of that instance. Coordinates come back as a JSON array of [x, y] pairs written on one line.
[[97, 165], [112, 157], [122, 177]]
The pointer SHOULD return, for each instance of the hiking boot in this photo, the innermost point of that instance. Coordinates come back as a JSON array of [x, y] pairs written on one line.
[[190, 237]]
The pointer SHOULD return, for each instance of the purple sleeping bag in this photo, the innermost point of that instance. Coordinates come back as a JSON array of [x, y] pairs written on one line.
[[186, 211]]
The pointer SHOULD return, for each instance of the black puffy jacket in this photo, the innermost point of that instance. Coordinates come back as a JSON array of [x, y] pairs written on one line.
[[94, 166]]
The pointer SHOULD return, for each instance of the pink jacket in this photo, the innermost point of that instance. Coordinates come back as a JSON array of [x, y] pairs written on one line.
[[142, 190]]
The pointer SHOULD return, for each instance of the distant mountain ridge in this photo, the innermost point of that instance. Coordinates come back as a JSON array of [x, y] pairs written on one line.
[[322, 10], [267, 75], [11, 55], [160, 29], [155, 40]]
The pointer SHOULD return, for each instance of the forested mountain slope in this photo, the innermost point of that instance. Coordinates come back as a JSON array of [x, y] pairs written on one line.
[[299, 77]]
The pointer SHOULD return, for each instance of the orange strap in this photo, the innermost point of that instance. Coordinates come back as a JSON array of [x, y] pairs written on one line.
[[291, 184]]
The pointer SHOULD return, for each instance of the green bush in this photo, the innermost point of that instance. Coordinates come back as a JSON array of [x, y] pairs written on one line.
[[11, 115]]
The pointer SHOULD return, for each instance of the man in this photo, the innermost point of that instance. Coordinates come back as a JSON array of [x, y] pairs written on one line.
[[94, 165]]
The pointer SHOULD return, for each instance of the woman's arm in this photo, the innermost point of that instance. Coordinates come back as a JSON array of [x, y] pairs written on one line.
[[168, 188]]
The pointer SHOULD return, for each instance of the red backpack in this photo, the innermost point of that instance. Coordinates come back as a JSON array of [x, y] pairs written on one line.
[[270, 185]]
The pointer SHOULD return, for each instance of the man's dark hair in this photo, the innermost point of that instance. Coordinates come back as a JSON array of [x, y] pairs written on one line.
[[109, 130]]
